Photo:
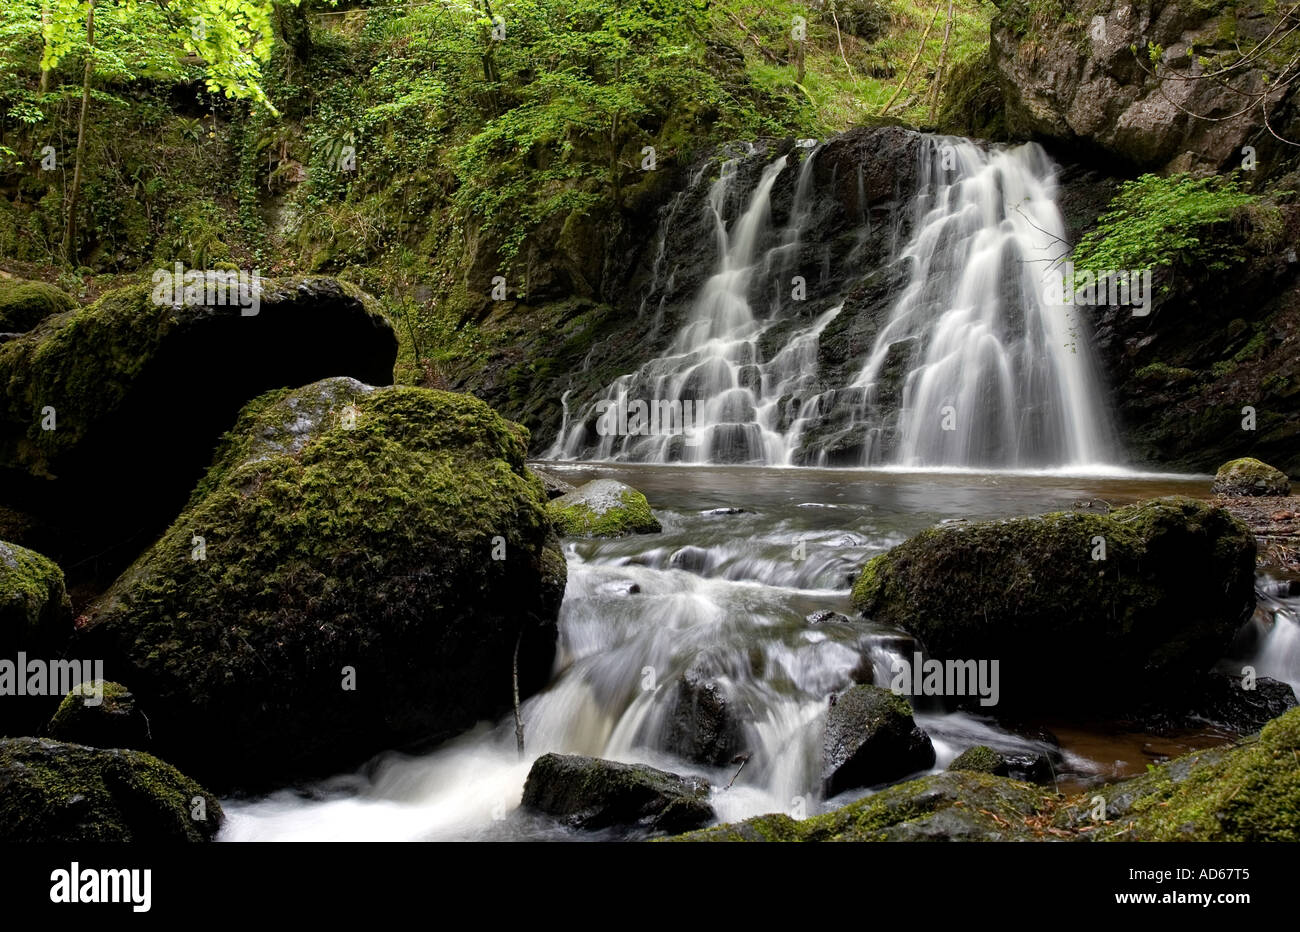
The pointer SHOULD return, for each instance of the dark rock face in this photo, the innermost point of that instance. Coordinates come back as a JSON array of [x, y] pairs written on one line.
[[703, 726], [353, 574], [139, 392], [871, 738], [54, 792], [588, 793], [1089, 79], [862, 180], [1163, 606]]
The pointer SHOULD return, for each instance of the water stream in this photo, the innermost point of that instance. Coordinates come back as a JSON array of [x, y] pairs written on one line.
[[726, 593]]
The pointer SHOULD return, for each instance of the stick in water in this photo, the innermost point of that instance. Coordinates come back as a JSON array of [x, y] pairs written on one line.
[[519, 721]]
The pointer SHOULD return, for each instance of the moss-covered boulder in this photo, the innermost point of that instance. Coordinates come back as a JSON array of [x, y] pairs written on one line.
[[1079, 609], [35, 620], [109, 413], [590, 794], [951, 806], [356, 571], [1247, 792], [871, 738], [102, 715], [1246, 476], [603, 508], [25, 304], [50, 791], [980, 759]]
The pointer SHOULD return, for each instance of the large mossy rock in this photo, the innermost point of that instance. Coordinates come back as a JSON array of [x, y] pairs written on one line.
[[590, 794], [354, 573], [25, 304], [55, 792], [1249, 792], [101, 715], [1176, 583], [35, 620], [953, 806], [1250, 477], [109, 413], [603, 508], [871, 738]]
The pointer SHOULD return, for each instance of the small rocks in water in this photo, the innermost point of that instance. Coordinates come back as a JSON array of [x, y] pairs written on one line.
[[724, 511], [554, 486], [826, 616], [691, 559], [589, 793], [1250, 477], [871, 738]]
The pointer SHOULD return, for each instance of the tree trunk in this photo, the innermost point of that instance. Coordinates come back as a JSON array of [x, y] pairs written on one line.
[[70, 232], [937, 90]]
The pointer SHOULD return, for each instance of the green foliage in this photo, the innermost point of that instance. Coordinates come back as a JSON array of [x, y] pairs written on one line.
[[1172, 221]]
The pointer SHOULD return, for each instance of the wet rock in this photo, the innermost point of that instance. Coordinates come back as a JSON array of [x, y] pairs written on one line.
[[603, 508], [703, 726], [589, 793], [355, 572], [56, 792], [825, 616], [1163, 606], [980, 759], [101, 715], [950, 806], [870, 738], [691, 559], [724, 511], [1250, 477], [1220, 699], [555, 487]]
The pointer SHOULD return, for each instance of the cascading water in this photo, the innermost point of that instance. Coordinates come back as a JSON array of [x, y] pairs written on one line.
[[991, 370]]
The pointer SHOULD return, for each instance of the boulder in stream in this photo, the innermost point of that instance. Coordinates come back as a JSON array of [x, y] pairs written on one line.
[[871, 738], [603, 508], [101, 715], [1081, 610], [589, 793], [36, 621], [356, 571], [1250, 477], [703, 726]]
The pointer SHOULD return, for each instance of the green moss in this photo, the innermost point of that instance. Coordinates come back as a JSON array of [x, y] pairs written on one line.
[[1160, 372], [33, 600], [979, 759], [54, 792], [112, 721], [1249, 476], [23, 304], [342, 526], [573, 516], [1248, 793]]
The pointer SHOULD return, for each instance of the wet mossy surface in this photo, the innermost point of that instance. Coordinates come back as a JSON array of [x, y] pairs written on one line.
[[56, 792], [392, 535], [1175, 584], [102, 715], [1248, 476], [603, 508], [980, 759]]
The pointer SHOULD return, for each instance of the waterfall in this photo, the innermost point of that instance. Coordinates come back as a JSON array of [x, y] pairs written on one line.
[[976, 363]]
